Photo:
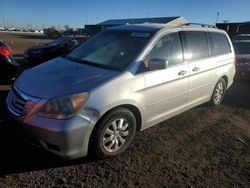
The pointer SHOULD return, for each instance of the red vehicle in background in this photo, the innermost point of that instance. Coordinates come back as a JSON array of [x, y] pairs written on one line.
[[8, 65], [41, 53]]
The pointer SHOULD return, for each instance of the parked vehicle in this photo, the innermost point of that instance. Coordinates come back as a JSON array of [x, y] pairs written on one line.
[[41, 53], [8, 66], [241, 37], [242, 51], [122, 80]]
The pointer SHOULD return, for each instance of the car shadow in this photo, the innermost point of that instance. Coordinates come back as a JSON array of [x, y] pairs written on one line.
[[18, 156], [238, 95]]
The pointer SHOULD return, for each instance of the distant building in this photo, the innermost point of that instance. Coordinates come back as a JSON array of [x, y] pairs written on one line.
[[92, 29], [235, 28]]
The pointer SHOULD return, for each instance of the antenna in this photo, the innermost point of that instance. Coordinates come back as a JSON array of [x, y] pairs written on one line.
[[217, 17]]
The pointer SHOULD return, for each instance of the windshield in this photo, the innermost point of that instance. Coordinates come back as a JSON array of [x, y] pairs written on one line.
[[242, 47], [111, 49], [58, 41]]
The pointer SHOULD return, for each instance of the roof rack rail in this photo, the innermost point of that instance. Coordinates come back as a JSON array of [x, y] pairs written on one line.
[[199, 24]]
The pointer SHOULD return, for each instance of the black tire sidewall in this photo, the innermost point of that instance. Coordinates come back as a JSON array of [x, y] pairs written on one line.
[[97, 143], [221, 80]]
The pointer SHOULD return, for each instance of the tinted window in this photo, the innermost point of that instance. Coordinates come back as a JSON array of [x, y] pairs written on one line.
[[71, 44], [80, 40], [241, 47], [168, 48], [220, 44], [58, 41], [196, 46], [241, 37]]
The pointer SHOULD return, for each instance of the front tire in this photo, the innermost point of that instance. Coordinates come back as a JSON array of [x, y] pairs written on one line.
[[113, 134], [218, 93]]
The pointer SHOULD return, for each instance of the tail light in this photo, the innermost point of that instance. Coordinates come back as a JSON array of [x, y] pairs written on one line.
[[5, 51], [235, 61]]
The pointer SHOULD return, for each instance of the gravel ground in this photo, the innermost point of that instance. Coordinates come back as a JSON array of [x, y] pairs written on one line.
[[203, 147]]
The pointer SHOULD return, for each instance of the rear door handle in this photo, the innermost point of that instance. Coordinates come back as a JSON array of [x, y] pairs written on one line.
[[182, 72], [195, 69]]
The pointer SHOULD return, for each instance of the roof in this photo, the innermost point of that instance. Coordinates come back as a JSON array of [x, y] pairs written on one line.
[[162, 20], [140, 27]]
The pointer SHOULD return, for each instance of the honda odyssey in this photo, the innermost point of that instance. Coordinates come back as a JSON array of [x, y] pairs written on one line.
[[122, 80]]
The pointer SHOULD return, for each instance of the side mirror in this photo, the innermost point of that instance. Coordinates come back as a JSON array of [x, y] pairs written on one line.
[[157, 64]]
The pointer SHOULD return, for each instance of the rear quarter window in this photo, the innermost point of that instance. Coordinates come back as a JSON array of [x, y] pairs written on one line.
[[195, 45], [219, 44]]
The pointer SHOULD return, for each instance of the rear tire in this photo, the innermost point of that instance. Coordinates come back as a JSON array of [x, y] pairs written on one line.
[[218, 93], [113, 134]]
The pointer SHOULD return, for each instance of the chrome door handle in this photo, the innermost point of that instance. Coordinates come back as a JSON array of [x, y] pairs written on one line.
[[182, 72], [195, 69]]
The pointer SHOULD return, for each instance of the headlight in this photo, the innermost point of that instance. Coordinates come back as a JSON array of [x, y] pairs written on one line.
[[63, 107]]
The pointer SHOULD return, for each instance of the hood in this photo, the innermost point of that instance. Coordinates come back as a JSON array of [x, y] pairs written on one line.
[[38, 47], [61, 77]]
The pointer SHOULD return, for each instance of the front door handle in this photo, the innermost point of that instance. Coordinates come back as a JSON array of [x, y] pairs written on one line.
[[182, 72], [195, 69]]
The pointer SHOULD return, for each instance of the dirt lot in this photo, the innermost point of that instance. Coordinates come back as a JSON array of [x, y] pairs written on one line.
[[20, 41], [203, 147]]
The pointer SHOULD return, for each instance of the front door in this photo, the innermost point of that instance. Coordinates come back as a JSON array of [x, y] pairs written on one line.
[[166, 89]]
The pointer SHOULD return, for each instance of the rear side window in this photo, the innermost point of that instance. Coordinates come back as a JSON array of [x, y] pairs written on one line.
[[220, 44], [196, 45]]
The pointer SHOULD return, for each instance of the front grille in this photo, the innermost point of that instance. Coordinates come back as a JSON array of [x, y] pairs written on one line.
[[18, 102]]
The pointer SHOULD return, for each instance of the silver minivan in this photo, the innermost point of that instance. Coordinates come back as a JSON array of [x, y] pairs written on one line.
[[122, 80]]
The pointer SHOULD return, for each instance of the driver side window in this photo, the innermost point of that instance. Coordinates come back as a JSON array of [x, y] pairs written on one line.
[[169, 49]]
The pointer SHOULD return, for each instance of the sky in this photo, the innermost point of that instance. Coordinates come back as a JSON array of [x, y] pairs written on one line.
[[77, 13]]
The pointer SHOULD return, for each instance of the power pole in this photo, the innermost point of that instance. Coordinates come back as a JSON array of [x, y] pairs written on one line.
[[3, 18], [217, 17]]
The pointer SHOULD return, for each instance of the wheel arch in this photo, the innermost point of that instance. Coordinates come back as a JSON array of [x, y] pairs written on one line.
[[136, 112], [226, 79], [134, 109]]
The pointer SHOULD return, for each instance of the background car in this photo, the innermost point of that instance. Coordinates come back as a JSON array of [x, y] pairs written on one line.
[[242, 51], [241, 37], [8, 66], [41, 53]]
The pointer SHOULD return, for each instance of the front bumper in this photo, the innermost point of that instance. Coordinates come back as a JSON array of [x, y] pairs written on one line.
[[68, 139]]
